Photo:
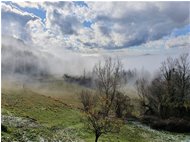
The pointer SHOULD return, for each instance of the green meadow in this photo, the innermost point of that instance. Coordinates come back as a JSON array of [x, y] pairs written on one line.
[[51, 112]]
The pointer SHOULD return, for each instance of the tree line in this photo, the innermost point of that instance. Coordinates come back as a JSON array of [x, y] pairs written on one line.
[[166, 95]]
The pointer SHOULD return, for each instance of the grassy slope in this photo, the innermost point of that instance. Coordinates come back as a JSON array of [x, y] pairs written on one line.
[[53, 113]]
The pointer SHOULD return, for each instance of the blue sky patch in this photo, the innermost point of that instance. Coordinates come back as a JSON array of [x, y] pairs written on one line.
[[87, 24], [38, 12], [182, 31], [81, 3], [178, 32]]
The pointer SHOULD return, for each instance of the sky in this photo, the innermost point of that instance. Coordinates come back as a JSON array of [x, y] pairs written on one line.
[[126, 29]]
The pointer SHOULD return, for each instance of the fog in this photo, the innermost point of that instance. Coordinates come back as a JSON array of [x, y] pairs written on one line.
[[20, 60]]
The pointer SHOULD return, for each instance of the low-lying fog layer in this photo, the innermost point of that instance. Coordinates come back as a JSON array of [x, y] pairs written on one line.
[[21, 59]]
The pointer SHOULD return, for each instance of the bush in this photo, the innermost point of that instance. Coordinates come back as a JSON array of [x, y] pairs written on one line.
[[172, 125]]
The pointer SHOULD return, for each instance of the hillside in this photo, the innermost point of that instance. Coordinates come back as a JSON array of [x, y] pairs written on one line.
[[32, 115]]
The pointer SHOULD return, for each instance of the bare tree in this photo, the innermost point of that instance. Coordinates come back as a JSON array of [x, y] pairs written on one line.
[[122, 105], [156, 97], [182, 85], [108, 81], [141, 86], [167, 73], [100, 124], [183, 76], [168, 94], [87, 99], [101, 116], [176, 78], [142, 90]]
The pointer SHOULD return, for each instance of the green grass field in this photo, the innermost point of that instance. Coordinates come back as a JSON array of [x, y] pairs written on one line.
[[57, 117]]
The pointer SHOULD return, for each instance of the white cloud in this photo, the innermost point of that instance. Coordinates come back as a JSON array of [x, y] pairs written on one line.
[[61, 18], [181, 42], [14, 21], [140, 21], [114, 24], [28, 4]]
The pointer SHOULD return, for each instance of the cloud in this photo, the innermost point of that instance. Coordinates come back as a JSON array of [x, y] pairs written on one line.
[[64, 18], [181, 42], [141, 21], [27, 4], [28, 27], [113, 25], [14, 21]]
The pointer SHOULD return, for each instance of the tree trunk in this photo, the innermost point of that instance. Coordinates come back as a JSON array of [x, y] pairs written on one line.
[[97, 136]]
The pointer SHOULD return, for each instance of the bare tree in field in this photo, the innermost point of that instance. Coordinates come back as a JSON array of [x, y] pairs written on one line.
[[168, 73], [108, 81], [100, 114], [176, 78], [100, 124], [183, 76]]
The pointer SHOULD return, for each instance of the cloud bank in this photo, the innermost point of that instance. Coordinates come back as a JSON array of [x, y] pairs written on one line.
[[111, 25]]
